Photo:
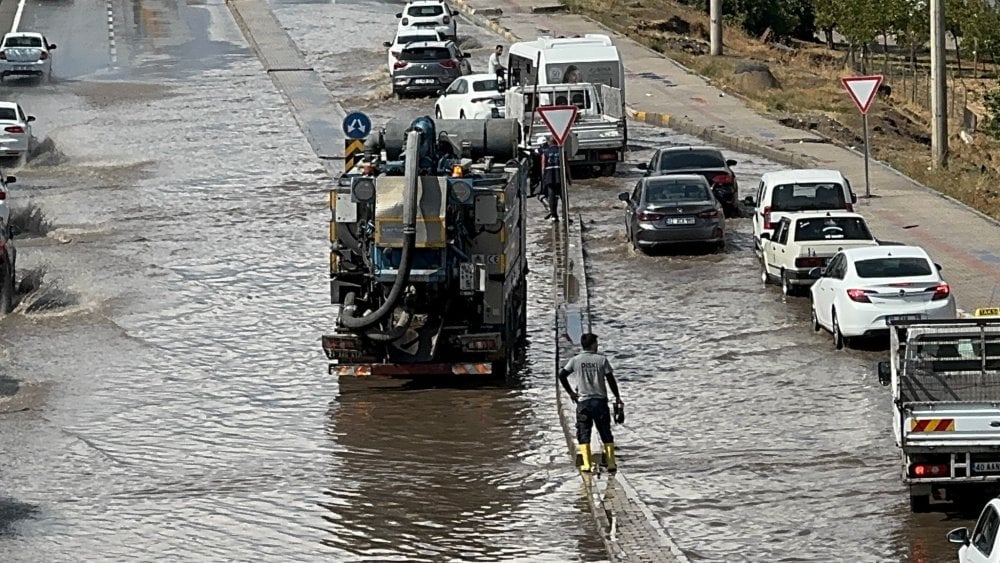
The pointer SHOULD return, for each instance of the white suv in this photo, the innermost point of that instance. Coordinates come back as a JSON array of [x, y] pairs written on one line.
[[433, 15]]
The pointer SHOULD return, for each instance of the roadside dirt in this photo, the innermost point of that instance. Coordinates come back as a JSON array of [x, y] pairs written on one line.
[[807, 93]]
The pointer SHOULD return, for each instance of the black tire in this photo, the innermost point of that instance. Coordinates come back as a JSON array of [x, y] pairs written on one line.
[[838, 339], [720, 246], [815, 319], [609, 169], [920, 503], [6, 290]]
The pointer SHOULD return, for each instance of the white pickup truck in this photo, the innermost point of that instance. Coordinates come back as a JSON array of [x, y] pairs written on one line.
[[945, 379], [600, 128]]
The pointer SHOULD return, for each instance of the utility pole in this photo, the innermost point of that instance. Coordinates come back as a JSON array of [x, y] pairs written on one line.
[[939, 88], [715, 32]]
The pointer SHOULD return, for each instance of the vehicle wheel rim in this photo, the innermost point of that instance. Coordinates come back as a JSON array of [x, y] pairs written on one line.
[[838, 339]]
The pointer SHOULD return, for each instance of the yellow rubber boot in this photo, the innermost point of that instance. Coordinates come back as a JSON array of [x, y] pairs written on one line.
[[609, 458], [584, 452]]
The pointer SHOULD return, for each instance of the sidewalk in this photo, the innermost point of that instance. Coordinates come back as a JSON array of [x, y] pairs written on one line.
[[660, 91]]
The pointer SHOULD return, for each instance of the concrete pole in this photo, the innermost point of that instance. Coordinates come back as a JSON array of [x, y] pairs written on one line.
[[939, 88], [715, 15]]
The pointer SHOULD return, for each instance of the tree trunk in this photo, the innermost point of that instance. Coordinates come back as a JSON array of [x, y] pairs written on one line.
[[885, 53], [913, 69], [849, 57], [864, 58], [958, 55], [829, 37]]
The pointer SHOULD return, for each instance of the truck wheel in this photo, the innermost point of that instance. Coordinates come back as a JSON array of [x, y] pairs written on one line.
[[838, 338], [6, 290], [920, 503]]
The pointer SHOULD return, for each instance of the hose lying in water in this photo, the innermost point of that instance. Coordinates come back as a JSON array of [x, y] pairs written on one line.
[[347, 317]]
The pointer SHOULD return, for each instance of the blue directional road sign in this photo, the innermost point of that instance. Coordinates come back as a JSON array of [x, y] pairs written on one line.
[[357, 125]]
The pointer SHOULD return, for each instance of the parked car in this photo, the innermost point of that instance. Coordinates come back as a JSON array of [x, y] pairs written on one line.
[[405, 37], [705, 161], [803, 241], [25, 54], [664, 210], [982, 546], [791, 191], [428, 66], [434, 15], [862, 288], [476, 96], [15, 139]]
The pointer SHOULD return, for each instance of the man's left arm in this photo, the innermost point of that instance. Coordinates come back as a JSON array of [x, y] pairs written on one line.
[[609, 374]]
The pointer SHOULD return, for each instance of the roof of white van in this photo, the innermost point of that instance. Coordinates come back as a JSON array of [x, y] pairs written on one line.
[[592, 46], [803, 175]]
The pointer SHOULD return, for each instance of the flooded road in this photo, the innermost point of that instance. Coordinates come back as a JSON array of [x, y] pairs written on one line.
[[163, 392]]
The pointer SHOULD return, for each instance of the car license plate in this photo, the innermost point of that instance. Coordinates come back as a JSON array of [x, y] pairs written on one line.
[[680, 220], [902, 318], [22, 67], [986, 467], [425, 81]]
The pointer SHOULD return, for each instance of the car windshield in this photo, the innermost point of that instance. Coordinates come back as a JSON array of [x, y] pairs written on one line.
[[425, 11], [484, 86], [808, 196], [892, 267], [407, 39], [426, 54], [22, 42], [8, 114], [832, 228], [688, 160], [676, 192]]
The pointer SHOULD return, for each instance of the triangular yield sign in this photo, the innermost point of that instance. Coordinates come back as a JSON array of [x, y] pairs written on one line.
[[559, 120], [862, 89]]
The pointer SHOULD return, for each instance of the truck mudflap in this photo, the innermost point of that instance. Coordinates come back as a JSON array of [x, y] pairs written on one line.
[[477, 369]]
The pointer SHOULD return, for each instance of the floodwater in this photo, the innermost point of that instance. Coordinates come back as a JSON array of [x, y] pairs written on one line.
[[163, 393]]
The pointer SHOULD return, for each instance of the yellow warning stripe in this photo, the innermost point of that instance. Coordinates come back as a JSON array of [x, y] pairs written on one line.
[[933, 425]]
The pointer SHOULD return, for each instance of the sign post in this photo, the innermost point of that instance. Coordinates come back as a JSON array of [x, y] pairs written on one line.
[[559, 120], [357, 126], [863, 90]]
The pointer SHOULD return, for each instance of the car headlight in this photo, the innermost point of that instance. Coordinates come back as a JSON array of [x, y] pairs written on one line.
[[460, 190], [363, 190]]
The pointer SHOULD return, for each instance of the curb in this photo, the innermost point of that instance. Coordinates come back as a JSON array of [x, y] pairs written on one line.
[[484, 21]]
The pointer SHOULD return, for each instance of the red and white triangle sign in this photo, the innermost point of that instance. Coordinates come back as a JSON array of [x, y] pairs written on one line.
[[559, 120], [862, 89]]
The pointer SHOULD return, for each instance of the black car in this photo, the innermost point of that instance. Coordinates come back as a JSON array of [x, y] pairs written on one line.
[[703, 161]]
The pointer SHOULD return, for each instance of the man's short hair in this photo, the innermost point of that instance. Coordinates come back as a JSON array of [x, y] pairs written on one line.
[[587, 340], [498, 47]]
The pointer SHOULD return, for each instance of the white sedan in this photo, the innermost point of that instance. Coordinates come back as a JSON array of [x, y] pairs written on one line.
[[862, 288], [15, 139], [25, 54], [982, 546], [476, 96]]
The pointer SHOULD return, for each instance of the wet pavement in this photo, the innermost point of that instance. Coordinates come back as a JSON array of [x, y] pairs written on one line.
[[165, 381]]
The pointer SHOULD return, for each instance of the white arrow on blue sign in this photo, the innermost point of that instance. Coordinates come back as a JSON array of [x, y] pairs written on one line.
[[357, 125]]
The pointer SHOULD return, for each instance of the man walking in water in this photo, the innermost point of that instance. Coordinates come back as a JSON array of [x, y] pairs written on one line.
[[591, 398]]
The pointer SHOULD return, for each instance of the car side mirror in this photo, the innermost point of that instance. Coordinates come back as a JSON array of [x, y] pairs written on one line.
[[884, 371], [442, 92], [387, 44], [11, 179], [938, 266], [466, 55], [399, 15], [642, 166], [765, 236], [748, 200], [854, 197], [731, 162], [52, 47], [624, 197], [31, 118], [815, 273], [959, 536]]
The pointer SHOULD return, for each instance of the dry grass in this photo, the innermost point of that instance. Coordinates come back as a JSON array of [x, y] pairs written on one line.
[[811, 91]]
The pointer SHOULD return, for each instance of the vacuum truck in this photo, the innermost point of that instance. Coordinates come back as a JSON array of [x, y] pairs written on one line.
[[427, 258]]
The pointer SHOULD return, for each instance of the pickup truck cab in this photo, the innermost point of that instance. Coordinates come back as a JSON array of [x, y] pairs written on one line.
[[803, 241], [982, 546]]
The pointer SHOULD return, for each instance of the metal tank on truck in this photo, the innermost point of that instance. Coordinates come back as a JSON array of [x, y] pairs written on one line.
[[427, 257]]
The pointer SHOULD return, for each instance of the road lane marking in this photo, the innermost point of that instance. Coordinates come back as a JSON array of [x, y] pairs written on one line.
[[112, 48], [17, 16]]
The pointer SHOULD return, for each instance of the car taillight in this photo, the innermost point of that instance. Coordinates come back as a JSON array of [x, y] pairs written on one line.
[[406, 21], [3, 55], [446, 20], [859, 295], [941, 292], [709, 214], [642, 216], [3, 195], [930, 470], [809, 262], [767, 217], [400, 64], [449, 63], [723, 179], [43, 56], [14, 129]]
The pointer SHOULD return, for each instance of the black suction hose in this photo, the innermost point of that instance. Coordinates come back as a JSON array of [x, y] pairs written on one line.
[[409, 240]]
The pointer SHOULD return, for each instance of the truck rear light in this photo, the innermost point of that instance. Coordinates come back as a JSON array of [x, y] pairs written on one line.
[[859, 295], [723, 179], [14, 129], [809, 262], [607, 156], [400, 65], [642, 216], [449, 63], [709, 214], [941, 292], [929, 470], [767, 217]]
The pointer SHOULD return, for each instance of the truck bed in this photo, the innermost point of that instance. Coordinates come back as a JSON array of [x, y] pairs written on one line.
[[950, 380]]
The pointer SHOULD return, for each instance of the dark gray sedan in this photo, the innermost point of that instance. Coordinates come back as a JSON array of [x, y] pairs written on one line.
[[427, 67], [674, 209]]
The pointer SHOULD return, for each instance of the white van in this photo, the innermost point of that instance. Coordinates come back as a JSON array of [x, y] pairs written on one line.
[[790, 191], [592, 58]]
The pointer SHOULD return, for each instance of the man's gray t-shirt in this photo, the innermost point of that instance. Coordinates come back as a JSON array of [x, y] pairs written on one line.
[[590, 369]]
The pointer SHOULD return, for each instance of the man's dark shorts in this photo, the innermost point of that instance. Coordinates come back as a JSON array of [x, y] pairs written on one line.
[[593, 412]]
